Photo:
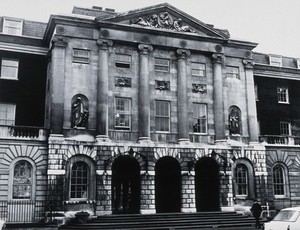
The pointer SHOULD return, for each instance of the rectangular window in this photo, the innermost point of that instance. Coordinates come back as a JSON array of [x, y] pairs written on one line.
[[283, 95], [7, 114], [162, 65], [9, 69], [241, 180], [232, 72], [12, 26], [275, 61], [199, 118], [198, 69], [162, 116], [285, 128], [123, 61], [81, 56], [122, 113]]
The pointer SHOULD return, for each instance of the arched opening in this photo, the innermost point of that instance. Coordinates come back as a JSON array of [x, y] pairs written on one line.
[[167, 185], [126, 185], [207, 185]]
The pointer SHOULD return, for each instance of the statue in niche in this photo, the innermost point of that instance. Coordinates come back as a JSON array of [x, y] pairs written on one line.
[[79, 113], [234, 121]]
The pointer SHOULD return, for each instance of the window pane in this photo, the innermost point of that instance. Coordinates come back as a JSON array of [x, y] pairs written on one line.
[[241, 178], [12, 26], [284, 128], [7, 114], [198, 69], [123, 60], [200, 118], [161, 65], [22, 181], [162, 116], [232, 72], [79, 180], [282, 94], [81, 56], [122, 113], [278, 180], [9, 69]]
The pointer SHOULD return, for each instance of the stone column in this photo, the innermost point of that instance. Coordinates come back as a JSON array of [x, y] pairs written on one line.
[[57, 83], [102, 90], [144, 93], [218, 97], [182, 98], [251, 103]]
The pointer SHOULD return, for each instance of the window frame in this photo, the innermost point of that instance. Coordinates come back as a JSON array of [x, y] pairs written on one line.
[[6, 27], [15, 68], [284, 129], [161, 65], [282, 182], [199, 70], [275, 59], [196, 118], [13, 114], [123, 64], [159, 117], [82, 59], [245, 184], [87, 177], [281, 95], [233, 74], [122, 112]]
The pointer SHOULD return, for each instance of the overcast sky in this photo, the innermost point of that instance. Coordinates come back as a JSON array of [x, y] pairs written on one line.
[[274, 24]]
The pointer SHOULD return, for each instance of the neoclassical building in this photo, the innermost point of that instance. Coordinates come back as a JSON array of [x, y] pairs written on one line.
[[146, 111]]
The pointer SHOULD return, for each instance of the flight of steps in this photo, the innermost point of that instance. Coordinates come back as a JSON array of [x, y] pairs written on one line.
[[169, 221]]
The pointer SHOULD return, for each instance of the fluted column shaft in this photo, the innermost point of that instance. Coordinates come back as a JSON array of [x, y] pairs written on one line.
[[182, 98], [144, 93], [218, 97], [57, 83], [102, 89], [251, 104]]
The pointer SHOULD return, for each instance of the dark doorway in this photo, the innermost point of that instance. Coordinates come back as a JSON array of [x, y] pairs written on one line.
[[167, 185], [126, 185], [207, 185]]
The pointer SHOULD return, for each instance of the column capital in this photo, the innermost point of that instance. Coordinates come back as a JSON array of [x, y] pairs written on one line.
[[60, 41], [183, 53], [145, 49], [248, 63], [217, 58], [104, 44]]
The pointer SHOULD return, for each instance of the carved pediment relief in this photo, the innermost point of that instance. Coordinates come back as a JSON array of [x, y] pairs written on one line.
[[163, 20]]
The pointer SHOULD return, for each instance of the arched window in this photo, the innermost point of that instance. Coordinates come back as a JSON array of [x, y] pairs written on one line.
[[241, 180], [22, 180], [234, 120], [79, 181], [279, 180]]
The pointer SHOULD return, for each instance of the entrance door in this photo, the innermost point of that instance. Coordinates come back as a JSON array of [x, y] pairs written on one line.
[[126, 185], [207, 185], [167, 185]]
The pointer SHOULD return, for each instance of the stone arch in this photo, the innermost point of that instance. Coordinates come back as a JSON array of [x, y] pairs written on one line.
[[235, 120], [172, 152], [79, 111], [11, 176]]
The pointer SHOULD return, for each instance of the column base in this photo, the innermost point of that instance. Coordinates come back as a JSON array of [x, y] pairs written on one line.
[[144, 140], [184, 141], [103, 213], [147, 211], [102, 138], [187, 210]]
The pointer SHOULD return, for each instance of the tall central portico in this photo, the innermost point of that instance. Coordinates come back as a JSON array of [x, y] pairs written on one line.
[[155, 90]]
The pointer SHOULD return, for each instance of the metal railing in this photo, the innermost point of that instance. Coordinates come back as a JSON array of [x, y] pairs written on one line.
[[22, 211]]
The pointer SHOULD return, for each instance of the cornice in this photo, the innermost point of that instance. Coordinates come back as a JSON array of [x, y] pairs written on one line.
[[13, 47]]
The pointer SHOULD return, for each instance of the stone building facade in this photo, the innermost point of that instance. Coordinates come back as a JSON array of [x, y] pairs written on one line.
[[147, 111]]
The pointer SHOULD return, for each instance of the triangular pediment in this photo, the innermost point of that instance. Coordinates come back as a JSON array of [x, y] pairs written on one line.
[[166, 17]]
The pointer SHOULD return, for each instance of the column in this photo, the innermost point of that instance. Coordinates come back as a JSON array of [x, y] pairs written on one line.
[[102, 90], [144, 93], [251, 103], [182, 98], [218, 97], [57, 83]]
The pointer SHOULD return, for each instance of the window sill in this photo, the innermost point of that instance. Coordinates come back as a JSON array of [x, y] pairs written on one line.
[[8, 78], [284, 103]]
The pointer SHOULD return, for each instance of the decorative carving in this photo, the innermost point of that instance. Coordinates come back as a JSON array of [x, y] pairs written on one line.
[[123, 81], [60, 41], [104, 44], [183, 43], [248, 54], [162, 85], [217, 58], [145, 49], [218, 48], [104, 33], [248, 63], [163, 20], [199, 88], [60, 30], [183, 53]]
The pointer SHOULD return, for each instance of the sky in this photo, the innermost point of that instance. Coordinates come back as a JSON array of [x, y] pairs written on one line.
[[273, 24]]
